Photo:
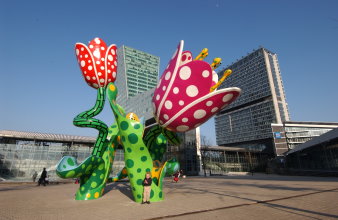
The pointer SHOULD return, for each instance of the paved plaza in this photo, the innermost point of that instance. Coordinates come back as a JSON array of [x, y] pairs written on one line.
[[229, 197]]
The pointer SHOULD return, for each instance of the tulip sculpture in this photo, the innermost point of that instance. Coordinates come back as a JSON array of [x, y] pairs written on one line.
[[185, 97]]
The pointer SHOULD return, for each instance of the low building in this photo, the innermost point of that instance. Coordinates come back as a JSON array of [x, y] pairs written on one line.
[[24, 153], [289, 134], [318, 154], [219, 160]]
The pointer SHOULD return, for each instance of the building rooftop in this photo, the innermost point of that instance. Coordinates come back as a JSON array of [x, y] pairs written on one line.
[[299, 123], [327, 137], [46, 136]]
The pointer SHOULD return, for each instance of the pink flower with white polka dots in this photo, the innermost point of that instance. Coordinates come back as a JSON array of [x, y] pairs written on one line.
[[182, 100], [97, 63]]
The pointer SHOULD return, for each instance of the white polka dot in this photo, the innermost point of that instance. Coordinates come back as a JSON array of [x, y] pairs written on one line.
[[182, 128], [90, 67], [102, 48], [88, 77], [109, 80], [184, 119], [108, 71], [192, 91], [91, 46], [214, 109], [102, 67], [185, 73], [205, 73], [114, 74], [99, 73], [94, 78], [112, 66], [83, 63], [164, 88], [110, 57], [98, 62], [115, 63], [86, 56], [181, 102], [85, 72], [227, 97], [89, 61], [112, 51], [158, 97], [80, 56], [165, 116], [97, 40], [199, 114], [82, 48], [168, 104], [176, 90], [102, 59], [209, 103], [77, 51], [95, 85], [101, 80], [167, 76], [97, 54]]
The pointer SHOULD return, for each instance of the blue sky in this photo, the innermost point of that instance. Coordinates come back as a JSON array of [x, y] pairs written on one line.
[[42, 88]]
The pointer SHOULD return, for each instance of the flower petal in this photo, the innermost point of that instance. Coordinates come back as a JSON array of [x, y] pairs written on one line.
[[193, 80], [87, 65], [98, 49], [200, 110], [167, 79], [111, 64]]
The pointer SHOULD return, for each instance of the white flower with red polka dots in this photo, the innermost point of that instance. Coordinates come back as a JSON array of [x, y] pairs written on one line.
[[97, 62], [182, 100]]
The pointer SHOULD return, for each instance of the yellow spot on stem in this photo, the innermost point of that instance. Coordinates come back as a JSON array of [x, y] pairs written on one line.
[[112, 87], [96, 195]]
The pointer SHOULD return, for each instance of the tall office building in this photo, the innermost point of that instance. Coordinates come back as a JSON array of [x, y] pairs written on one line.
[[247, 121], [137, 72]]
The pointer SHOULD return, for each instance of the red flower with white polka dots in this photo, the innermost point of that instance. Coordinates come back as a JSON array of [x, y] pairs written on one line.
[[182, 100], [97, 63]]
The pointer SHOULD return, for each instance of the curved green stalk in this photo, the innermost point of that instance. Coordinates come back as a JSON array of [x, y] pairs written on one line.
[[85, 119]]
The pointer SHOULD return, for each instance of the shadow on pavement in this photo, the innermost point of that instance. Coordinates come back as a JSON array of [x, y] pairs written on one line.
[[123, 187]]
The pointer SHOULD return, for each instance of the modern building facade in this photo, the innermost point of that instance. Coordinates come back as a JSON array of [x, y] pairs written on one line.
[[290, 134], [319, 156], [24, 153], [247, 121], [138, 72]]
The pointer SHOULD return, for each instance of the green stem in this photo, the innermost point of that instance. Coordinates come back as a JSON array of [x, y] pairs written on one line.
[[85, 119]]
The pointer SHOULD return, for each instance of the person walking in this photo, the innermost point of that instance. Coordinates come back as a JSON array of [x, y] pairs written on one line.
[[147, 188], [43, 176]]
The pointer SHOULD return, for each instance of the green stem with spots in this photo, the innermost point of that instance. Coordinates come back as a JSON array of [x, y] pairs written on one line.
[[137, 157], [85, 119]]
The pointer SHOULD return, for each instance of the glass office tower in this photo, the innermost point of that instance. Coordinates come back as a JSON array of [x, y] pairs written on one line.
[[137, 72], [247, 121]]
